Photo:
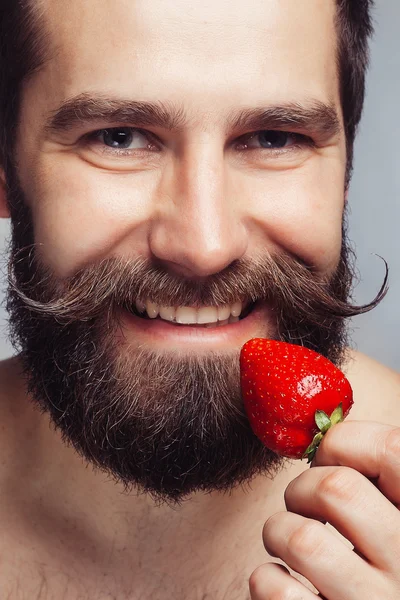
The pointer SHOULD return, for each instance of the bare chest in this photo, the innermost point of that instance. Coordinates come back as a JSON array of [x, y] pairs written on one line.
[[39, 581]]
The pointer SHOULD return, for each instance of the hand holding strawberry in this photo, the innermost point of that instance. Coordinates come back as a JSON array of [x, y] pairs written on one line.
[[355, 486], [292, 395]]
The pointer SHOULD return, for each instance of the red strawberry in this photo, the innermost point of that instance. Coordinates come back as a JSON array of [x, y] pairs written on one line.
[[292, 395]]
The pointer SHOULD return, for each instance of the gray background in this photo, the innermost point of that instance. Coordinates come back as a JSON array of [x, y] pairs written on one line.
[[374, 198]]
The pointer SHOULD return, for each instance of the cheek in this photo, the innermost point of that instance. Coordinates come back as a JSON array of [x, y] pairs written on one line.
[[301, 211], [84, 215]]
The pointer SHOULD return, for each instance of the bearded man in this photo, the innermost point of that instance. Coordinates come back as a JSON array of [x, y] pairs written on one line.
[[176, 174]]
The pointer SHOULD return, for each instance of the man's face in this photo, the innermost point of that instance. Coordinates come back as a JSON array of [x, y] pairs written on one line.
[[199, 199], [195, 137]]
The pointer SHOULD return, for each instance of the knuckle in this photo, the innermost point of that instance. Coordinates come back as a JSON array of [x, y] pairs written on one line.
[[307, 540], [340, 485]]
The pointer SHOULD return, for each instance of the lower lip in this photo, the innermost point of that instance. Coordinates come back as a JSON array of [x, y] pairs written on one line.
[[258, 323]]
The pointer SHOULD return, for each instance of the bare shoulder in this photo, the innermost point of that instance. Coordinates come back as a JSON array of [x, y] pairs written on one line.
[[376, 388], [366, 372]]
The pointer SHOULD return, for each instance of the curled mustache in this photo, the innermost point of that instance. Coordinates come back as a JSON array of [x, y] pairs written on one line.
[[286, 284]]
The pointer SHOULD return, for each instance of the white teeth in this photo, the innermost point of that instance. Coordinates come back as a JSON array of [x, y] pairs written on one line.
[[224, 312], [186, 315], [167, 313], [236, 309], [208, 314], [152, 309]]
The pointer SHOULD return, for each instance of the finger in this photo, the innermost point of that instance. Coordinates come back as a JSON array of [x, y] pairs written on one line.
[[312, 550], [274, 581], [370, 448], [354, 506]]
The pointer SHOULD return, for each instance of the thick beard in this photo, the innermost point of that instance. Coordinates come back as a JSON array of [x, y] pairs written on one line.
[[158, 423]]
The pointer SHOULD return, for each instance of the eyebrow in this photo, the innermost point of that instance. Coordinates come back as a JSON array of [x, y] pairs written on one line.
[[312, 115], [86, 108]]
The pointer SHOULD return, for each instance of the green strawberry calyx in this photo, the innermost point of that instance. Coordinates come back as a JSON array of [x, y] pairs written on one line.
[[324, 422]]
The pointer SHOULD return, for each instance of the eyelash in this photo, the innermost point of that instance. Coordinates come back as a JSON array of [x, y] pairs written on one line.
[[95, 135], [301, 141]]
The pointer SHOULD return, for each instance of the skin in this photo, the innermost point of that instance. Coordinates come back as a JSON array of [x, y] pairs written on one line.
[[196, 205]]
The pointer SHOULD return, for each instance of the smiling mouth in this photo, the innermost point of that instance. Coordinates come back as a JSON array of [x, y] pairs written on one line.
[[187, 316]]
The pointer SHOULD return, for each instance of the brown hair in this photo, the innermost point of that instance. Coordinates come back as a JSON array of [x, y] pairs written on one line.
[[24, 46]]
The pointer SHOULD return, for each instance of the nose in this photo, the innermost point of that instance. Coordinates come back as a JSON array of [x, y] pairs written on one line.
[[198, 228]]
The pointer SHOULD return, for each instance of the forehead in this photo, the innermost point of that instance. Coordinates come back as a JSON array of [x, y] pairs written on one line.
[[210, 54]]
